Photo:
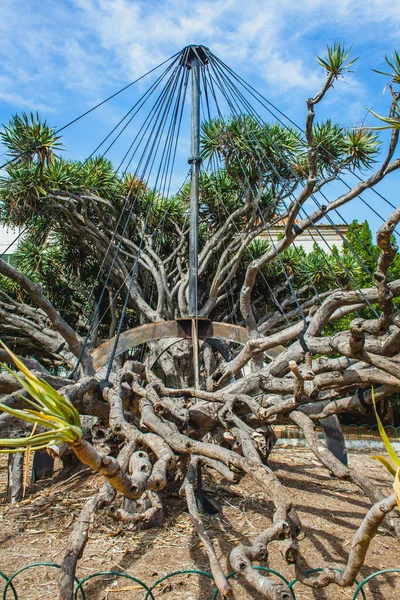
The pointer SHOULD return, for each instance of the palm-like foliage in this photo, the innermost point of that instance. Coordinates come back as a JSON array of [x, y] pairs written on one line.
[[166, 211], [7, 286], [328, 139], [257, 248], [252, 152], [220, 196], [394, 64], [131, 187], [244, 159], [356, 148], [346, 267], [49, 410], [271, 155], [32, 258], [292, 260], [392, 122], [95, 176], [316, 269], [360, 148], [336, 62], [98, 177], [28, 186], [27, 136], [20, 190], [65, 271]]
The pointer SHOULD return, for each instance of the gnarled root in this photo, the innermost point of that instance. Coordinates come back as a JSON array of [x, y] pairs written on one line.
[[143, 514], [80, 532], [359, 547], [78, 539], [241, 558], [215, 566], [339, 469]]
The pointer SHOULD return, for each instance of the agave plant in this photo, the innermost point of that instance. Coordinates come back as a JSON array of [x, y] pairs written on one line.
[[49, 410], [394, 466]]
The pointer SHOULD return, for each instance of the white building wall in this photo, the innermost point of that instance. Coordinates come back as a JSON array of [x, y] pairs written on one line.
[[326, 239], [306, 240], [7, 237]]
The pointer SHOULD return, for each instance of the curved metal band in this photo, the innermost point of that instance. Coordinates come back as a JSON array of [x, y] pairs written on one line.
[[180, 328]]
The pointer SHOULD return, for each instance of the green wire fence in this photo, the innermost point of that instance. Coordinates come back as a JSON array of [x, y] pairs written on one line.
[[9, 584]]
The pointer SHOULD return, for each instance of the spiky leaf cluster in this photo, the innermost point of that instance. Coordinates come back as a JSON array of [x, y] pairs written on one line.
[[49, 410]]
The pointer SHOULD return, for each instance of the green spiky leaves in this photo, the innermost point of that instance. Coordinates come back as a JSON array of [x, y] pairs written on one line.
[[394, 64], [49, 410], [356, 148], [27, 136], [252, 150], [392, 122], [336, 62], [394, 468], [361, 147]]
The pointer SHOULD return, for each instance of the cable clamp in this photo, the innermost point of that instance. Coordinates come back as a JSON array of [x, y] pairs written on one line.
[[194, 159], [61, 347], [360, 394], [297, 229], [303, 342]]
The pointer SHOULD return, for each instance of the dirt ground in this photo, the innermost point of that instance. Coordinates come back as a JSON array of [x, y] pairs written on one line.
[[38, 528]]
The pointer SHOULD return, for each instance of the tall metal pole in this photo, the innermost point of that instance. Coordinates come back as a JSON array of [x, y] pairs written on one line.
[[195, 161]]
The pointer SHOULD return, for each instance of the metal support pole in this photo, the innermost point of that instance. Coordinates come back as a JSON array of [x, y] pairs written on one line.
[[195, 344], [195, 161]]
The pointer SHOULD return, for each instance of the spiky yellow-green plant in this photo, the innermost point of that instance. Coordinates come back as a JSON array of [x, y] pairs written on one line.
[[49, 409], [62, 420], [394, 468]]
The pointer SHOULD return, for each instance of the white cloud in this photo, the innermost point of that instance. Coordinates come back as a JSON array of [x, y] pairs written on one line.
[[76, 51], [141, 34], [255, 37]]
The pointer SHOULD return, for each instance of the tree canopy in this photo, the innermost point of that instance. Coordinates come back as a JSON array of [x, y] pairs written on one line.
[[311, 336], [65, 205]]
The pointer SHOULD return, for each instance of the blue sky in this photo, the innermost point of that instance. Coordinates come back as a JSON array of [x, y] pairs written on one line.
[[60, 57]]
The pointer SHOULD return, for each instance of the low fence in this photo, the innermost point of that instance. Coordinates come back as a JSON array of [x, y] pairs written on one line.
[[10, 584], [350, 432]]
